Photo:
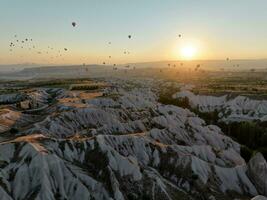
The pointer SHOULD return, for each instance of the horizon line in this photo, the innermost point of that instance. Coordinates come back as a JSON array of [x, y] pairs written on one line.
[[138, 62]]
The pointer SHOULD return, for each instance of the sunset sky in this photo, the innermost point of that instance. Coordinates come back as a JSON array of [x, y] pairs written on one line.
[[210, 29]]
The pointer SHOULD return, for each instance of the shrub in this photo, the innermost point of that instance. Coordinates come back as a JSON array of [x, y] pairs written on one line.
[[195, 177], [246, 153], [85, 87], [263, 151], [13, 131]]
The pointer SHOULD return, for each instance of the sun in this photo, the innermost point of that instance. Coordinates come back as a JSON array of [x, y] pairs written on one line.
[[188, 52]]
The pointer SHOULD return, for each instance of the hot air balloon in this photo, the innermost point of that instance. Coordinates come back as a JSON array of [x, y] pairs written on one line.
[[129, 36], [73, 24], [197, 66]]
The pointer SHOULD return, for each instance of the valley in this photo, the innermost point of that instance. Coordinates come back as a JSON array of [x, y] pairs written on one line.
[[116, 138]]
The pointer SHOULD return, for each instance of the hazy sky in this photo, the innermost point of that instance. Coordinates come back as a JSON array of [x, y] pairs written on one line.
[[215, 28]]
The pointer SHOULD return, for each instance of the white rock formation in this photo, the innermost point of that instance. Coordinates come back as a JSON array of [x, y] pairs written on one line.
[[125, 145], [236, 109]]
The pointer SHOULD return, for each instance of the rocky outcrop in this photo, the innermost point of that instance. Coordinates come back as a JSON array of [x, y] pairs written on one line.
[[125, 145], [259, 197], [235, 109], [257, 171]]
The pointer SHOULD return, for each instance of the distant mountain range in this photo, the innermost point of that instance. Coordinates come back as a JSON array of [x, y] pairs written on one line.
[[207, 64], [26, 71]]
